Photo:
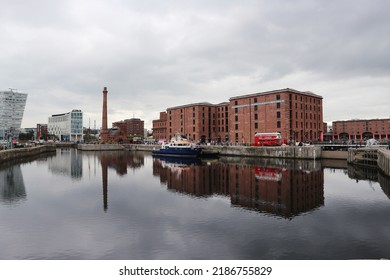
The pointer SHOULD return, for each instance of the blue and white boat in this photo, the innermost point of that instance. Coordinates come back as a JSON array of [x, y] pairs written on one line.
[[178, 146]]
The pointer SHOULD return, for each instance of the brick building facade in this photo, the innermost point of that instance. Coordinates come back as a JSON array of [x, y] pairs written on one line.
[[202, 122], [128, 128], [160, 127], [41, 131], [361, 130], [297, 115]]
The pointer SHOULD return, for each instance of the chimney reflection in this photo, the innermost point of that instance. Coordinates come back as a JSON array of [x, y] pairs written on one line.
[[119, 161], [105, 184], [281, 187]]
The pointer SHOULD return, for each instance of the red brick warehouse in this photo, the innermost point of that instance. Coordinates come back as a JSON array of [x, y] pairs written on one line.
[[361, 130], [297, 115], [198, 121]]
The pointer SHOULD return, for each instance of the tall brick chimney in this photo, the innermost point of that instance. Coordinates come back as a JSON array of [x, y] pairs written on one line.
[[104, 132]]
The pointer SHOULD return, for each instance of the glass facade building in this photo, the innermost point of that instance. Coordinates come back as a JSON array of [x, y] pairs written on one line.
[[12, 106], [67, 127]]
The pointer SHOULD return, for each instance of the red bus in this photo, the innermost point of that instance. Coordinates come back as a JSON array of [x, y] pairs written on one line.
[[268, 139]]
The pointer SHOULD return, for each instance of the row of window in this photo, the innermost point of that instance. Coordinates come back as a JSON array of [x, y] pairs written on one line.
[[360, 137], [256, 125], [278, 116], [278, 125], [367, 128], [58, 119]]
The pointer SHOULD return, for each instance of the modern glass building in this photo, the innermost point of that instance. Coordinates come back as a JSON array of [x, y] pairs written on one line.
[[67, 127], [12, 106]]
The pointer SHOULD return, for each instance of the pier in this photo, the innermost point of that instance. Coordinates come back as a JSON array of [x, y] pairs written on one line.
[[294, 152], [384, 161], [21, 153], [371, 156]]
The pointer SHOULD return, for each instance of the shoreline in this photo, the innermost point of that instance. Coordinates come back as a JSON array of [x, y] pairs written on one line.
[[294, 152], [25, 153], [289, 152]]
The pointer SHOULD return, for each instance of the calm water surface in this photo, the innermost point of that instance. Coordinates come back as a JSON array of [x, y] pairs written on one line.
[[117, 205]]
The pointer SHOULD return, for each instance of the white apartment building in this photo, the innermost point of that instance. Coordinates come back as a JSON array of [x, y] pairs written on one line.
[[67, 127], [12, 106]]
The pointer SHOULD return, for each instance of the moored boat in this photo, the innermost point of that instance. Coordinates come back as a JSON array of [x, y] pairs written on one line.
[[178, 146]]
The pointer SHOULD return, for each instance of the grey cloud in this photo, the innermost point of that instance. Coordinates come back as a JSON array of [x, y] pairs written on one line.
[[189, 51]]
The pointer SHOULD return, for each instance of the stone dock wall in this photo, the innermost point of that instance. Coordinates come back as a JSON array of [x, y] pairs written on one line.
[[12, 154], [298, 152], [384, 161], [376, 157], [101, 147]]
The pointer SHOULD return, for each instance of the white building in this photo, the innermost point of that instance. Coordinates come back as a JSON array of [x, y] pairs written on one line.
[[67, 127], [12, 106]]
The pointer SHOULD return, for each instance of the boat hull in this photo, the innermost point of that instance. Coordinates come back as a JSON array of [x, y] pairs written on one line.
[[178, 152]]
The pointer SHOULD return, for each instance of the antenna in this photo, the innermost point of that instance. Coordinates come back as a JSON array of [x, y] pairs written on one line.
[[12, 89]]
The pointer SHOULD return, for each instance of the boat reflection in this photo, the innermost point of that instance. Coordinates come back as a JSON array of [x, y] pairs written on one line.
[[285, 189]]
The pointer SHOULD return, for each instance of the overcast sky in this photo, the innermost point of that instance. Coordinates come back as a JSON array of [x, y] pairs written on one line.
[[158, 54]]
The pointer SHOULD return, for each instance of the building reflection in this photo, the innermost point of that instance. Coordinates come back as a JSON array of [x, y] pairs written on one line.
[[367, 173], [281, 187], [68, 162], [384, 182], [12, 188], [119, 161]]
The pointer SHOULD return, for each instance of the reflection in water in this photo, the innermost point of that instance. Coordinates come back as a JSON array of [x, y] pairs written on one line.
[[281, 187], [369, 174], [256, 198], [384, 181], [277, 186], [12, 188], [119, 161], [68, 162]]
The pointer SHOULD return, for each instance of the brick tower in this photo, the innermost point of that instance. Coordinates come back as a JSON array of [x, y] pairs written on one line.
[[104, 131]]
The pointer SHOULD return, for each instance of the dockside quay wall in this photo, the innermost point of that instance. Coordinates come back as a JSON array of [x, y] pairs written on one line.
[[11, 154], [298, 152], [100, 147], [116, 147], [384, 161]]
